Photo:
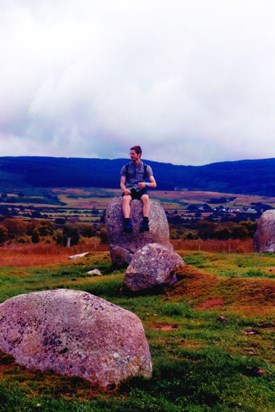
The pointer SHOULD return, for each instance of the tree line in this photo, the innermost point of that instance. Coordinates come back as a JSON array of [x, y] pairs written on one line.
[[35, 231], [69, 234]]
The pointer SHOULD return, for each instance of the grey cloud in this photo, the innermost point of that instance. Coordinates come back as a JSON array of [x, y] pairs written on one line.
[[190, 81]]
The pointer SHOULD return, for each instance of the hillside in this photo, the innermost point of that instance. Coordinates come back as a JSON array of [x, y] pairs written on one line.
[[244, 177]]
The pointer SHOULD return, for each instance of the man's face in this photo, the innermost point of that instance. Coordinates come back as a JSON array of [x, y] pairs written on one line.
[[134, 156]]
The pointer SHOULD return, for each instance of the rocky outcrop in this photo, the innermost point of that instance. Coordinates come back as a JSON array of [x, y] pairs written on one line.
[[264, 238], [74, 333], [124, 245], [152, 266]]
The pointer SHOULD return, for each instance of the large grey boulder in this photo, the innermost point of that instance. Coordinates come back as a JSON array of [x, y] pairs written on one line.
[[124, 245], [152, 266], [74, 333], [264, 238]]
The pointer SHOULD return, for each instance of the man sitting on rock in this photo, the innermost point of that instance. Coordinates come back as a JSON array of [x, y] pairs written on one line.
[[134, 186]]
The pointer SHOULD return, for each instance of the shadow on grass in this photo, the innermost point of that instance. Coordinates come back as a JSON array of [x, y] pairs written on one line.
[[203, 379]]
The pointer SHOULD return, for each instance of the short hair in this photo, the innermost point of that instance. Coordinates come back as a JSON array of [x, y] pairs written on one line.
[[137, 149]]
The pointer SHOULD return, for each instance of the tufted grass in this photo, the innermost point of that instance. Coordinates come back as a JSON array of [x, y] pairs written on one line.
[[210, 337]]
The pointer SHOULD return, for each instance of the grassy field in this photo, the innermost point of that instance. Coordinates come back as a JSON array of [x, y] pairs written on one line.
[[65, 200], [169, 199], [210, 335]]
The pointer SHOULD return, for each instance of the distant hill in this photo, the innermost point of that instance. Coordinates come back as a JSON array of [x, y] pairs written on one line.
[[244, 177]]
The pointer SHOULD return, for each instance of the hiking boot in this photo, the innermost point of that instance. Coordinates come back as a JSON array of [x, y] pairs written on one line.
[[127, 226], [144, 227]]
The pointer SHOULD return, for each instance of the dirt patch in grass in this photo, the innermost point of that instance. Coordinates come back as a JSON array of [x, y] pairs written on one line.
[[164, 326], [192, 345], [210, 304]]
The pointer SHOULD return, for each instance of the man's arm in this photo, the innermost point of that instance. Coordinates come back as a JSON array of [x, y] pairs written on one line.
[[123, 187], [152, 183]]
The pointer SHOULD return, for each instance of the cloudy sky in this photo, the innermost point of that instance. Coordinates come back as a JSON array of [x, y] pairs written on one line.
[[191, 81]]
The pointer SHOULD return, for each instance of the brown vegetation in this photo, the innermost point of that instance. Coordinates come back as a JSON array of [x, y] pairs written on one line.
[[206, 291], [45, 253], [17, 254], [213, 245]]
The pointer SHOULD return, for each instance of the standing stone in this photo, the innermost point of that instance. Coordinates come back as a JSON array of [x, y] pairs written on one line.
[[124, 245], [264, 238], [151, 267], [75, 333]]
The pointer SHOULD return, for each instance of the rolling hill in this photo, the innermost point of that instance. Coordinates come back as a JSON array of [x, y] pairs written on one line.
[[244, 177]]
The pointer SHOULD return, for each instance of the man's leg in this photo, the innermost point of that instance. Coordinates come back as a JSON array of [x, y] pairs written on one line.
[[144, 227], [126, 210], [146, 205]]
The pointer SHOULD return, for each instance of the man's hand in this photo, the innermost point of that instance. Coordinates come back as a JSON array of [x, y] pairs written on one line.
[[141, 185], [127, 192]]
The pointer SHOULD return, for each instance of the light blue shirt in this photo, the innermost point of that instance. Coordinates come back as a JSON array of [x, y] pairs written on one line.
[[135, 173]]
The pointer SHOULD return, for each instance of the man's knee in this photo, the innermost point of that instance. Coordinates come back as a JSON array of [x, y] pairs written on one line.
[[145, 199], [126, 199]]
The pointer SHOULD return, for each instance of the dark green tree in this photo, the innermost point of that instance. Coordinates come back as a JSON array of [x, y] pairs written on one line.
[[4, 234], [36, 236], [71, 234]]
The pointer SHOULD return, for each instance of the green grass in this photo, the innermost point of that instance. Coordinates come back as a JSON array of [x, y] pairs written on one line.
[[217, 360], [234, 264]]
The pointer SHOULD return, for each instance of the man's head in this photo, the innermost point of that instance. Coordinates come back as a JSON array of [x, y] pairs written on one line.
[[135, 153]]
